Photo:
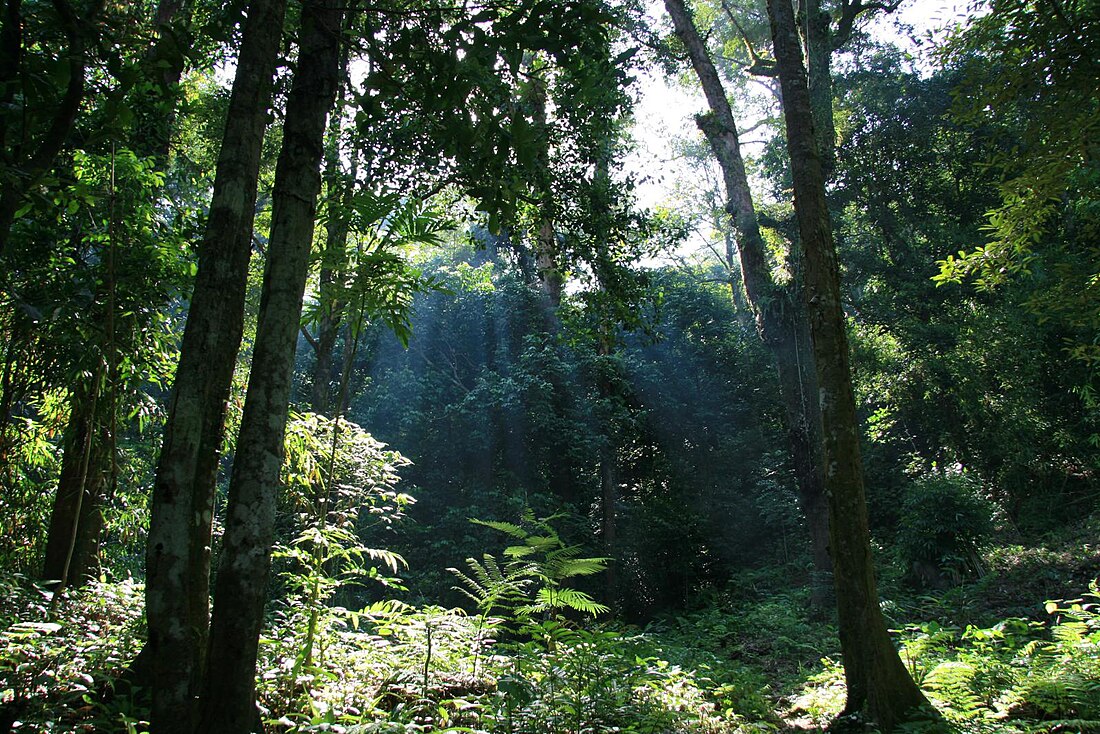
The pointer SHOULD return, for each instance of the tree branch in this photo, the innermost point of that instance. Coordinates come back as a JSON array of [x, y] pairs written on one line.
[[760, 66], [309, 338], [849, 11]]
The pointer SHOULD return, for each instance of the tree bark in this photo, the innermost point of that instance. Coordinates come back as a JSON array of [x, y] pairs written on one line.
[[878, 683], [779, 313], [241, 591], [178, 553]]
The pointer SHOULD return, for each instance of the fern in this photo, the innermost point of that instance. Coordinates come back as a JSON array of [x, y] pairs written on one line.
[[542, 560], [950, 682], [489, 586], [551, 599], [507, 528]]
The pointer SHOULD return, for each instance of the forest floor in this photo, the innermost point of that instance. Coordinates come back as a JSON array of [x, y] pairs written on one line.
[[1016, 649]]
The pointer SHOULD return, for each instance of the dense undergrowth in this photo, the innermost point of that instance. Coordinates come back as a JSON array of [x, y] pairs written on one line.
[[749, 659]]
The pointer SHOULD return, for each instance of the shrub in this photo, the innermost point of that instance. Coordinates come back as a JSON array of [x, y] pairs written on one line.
[[944, 523]]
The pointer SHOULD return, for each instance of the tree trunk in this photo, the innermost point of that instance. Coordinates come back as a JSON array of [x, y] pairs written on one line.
[[815, 25], [178, 553], [228, 699], [877, 680], [609, 468], [340, 186], [779, 313], [72, 543]]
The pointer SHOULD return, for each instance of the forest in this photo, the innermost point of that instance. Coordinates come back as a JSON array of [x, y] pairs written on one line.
[[391, 367]]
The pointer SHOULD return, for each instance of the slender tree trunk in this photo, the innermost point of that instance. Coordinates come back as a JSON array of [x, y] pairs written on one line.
[[877, 680], [609, 469], [178, 554], [340, 186], [76, 519], [780, 315], [228, 700]]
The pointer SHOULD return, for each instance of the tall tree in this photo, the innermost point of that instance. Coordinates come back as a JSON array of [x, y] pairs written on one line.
[[178, 554], [877, 680], [780, 316], [241, 591]]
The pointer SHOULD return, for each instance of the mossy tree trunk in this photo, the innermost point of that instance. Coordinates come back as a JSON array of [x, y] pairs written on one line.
[[878, 683], [228, 699], [178, 553]]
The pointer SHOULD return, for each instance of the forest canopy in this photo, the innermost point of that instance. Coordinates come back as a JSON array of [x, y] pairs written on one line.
[[364, 369]]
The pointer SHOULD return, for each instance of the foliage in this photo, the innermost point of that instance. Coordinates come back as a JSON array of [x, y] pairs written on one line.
[[1012, 53], [27, 481], [1013, 676], [981, 168], [945, 523], [341, 485], [497, 416], [1031, 70], [62, 655], [90, 320], [945, 375], [758, 620], [411, 669]]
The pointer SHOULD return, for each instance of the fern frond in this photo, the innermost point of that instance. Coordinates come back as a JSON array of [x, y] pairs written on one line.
[[471, 588], [580, 567], [563, 598], [507, 528]]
